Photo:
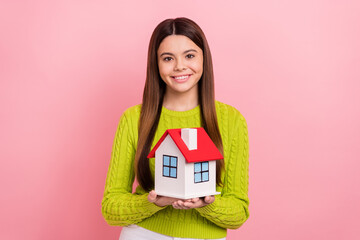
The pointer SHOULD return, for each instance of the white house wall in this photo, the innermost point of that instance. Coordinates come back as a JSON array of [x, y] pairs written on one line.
[[167, 186], [193, 189]]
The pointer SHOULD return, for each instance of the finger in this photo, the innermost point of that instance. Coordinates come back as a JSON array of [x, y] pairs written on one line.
[[195, 199], [183, 206], [180, 203], [189, 205], [152, 196], [175, 205]]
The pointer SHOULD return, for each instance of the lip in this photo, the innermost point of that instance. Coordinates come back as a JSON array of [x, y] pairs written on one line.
[[181, 80]]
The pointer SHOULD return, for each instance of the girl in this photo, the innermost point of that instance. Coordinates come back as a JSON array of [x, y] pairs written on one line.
[[178, 93]]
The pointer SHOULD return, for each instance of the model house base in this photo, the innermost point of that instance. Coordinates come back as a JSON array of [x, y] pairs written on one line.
[[186, 196]]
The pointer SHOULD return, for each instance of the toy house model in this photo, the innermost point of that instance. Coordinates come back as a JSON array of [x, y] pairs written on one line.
[[185, 163]]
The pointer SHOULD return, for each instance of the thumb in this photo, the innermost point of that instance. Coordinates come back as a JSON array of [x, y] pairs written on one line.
[[209, 199], [152, 196]]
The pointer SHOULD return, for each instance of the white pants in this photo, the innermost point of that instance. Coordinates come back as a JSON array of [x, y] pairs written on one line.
[[135, 232]]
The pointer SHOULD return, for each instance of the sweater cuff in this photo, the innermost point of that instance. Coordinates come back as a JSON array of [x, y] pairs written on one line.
[[152, 207], [208, 209]]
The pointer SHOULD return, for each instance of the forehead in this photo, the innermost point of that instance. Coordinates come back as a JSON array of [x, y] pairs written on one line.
[[177, 44]]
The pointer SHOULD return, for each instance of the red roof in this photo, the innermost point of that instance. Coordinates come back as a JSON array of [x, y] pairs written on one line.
[[206, 149]]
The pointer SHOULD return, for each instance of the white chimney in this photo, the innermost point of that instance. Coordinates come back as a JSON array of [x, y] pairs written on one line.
[[189, 136]]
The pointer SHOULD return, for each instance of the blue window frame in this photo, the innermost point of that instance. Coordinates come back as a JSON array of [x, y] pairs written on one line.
[[201, 172], [170, 166]]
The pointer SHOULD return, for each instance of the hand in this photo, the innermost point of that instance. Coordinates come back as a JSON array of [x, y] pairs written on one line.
[[193, 203], [160, 201]]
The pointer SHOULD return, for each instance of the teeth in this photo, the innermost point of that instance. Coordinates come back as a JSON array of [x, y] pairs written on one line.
[[183, 77]]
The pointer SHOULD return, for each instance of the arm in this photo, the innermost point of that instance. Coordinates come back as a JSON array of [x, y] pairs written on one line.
[[119, 206], [230, 209]]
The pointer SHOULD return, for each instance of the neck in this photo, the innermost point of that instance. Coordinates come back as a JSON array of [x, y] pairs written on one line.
[[176, 101]]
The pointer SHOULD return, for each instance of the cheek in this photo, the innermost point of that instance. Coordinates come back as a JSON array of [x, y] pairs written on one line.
[[198, 67], [164, 69]]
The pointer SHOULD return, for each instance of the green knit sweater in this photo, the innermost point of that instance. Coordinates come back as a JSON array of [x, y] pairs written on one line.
[[121, 207]]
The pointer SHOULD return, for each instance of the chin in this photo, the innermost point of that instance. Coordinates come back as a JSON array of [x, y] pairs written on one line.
[[183, 90]]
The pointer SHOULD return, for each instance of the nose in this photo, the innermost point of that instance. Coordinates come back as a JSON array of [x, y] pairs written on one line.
[[179, 65]]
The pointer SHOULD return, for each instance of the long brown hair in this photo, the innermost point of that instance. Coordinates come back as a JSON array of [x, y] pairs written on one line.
[[154, 91]]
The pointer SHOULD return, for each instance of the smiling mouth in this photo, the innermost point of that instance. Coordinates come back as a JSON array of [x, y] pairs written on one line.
[[181, 78]]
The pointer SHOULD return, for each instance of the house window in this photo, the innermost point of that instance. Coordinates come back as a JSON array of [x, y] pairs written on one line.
[[201, 172], [169, 166]]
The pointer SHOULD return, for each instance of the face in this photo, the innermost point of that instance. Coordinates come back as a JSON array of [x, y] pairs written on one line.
[[180, 63]]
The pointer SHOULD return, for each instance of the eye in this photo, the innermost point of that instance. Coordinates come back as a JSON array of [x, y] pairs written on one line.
[[166, 59], [190, 55]]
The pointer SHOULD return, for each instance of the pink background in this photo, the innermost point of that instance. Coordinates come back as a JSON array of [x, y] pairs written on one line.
[[68, 69]]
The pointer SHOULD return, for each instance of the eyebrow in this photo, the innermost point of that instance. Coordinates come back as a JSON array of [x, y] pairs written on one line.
[[174, 55]]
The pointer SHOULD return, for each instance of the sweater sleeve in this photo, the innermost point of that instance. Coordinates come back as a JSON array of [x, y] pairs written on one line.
[[230, 209], [119, 205]]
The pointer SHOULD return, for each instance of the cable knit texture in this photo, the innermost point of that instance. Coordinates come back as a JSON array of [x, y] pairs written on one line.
[[121, 207]]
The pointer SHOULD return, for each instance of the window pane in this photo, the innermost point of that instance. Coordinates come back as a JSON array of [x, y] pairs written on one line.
[[166, 171], [197, 177], [166, 160], [197, 167], [173, 161], [205, 176], [173, 172], [205, 166]]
